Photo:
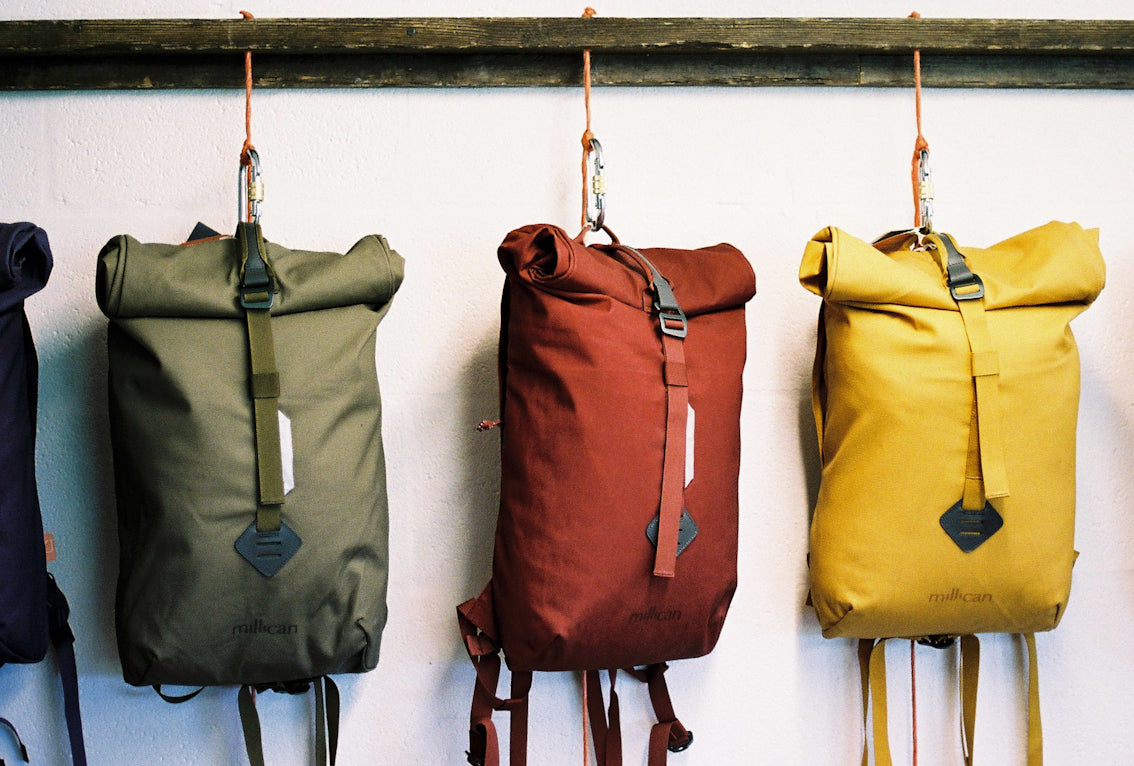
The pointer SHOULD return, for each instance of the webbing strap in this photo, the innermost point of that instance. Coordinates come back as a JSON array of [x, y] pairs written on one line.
[[668, 735], [674, 327], [476, 620], [968, 291], [606, 728], [877, 682], [673, 461], [250, 723], [327, 706], [257, 296], [16, 735], [1035, 727], [970, 671], [63, 639], [865, 647]]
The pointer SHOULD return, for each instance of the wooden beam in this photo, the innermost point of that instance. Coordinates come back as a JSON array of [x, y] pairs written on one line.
[[439, 52]]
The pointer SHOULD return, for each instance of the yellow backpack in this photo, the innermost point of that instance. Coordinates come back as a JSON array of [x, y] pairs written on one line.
[[945, 393]]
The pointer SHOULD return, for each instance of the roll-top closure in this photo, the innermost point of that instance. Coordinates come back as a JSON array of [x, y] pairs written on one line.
[[704, 280], [203, 279], [1054, 263]]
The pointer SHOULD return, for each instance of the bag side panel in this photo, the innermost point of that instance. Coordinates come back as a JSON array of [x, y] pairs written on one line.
[[23, 566]]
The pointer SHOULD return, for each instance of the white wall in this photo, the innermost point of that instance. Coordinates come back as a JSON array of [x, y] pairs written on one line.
[[445, 174]]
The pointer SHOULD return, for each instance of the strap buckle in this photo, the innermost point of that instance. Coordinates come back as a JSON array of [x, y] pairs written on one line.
[[670, 315], [681, 746], [257, 290]]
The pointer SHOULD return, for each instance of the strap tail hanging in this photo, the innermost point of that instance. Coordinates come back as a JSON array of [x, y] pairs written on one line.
[[63, 639]]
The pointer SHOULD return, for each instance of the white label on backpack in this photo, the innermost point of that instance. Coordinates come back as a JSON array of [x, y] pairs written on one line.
[[690, 428], [286, 453]]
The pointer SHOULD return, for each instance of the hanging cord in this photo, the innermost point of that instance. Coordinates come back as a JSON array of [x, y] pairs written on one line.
[[920, 144], [913, 699], [589, 13], [245, 157]]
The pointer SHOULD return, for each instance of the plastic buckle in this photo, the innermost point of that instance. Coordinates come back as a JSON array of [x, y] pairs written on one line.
[[669, 311], [937, 642], [249, 296], [473, 760], [682, 746], [965, 282]]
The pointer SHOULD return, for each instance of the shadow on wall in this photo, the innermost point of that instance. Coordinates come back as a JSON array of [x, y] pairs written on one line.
[[478, 454], [75, 475]]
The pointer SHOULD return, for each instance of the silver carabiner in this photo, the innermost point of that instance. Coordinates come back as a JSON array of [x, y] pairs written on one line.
[[924, 191], [250, 189], [596, 188]]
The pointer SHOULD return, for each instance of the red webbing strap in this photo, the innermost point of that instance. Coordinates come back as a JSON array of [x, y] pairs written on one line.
[[477, 623], [673, 460], [606, 727], [668, 734]]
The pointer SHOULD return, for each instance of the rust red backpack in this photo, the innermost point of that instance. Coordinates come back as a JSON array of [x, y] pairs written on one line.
[[616, 542]]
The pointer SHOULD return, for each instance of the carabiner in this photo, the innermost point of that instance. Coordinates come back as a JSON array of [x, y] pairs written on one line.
[[250, 189], [597, 188], [924, 191]]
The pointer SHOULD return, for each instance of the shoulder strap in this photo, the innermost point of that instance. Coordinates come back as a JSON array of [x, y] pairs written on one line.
[[326, 721], [477, 622], [63, 639], [4, 722]]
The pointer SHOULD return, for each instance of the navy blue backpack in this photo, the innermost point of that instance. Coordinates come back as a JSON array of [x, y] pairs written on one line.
[[33, 611]]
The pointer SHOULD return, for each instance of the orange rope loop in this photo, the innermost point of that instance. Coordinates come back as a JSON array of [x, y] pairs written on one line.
[[244, 158], [920, 144], [589, 13]]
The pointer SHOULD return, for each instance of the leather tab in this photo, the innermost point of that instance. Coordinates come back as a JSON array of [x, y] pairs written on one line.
[[268, 550], [969, 529]]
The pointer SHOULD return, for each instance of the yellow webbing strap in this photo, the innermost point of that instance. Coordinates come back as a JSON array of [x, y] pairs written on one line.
[[257, 297], [877, 680], [1035, 727], [968, 291], [970, 672]]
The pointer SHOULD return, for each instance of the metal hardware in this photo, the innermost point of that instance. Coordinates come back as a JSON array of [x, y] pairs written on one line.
[[924, 191], [596, 190], [250, 189]]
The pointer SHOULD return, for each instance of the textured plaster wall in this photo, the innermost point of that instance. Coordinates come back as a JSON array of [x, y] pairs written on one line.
[[445, 174]]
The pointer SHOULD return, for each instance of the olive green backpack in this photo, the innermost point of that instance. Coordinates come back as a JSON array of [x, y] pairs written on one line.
[[249, 472]]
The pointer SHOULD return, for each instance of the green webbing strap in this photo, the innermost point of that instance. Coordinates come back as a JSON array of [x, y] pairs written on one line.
[[257, 294], [326, 722], [250, 722]]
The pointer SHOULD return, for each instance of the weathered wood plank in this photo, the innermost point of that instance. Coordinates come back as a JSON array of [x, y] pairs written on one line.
[[475, 52]]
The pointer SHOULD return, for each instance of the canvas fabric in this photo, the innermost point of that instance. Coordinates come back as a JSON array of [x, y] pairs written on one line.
[[25, 265], [190, 609], [923, 401], [590, 389]]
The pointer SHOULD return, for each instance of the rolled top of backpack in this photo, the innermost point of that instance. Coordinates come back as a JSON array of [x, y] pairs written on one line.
[[25, 262], [203, 279]]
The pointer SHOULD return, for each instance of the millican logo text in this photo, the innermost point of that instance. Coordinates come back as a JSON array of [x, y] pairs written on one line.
[[259, 626], [956, 595], [653, 614]]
